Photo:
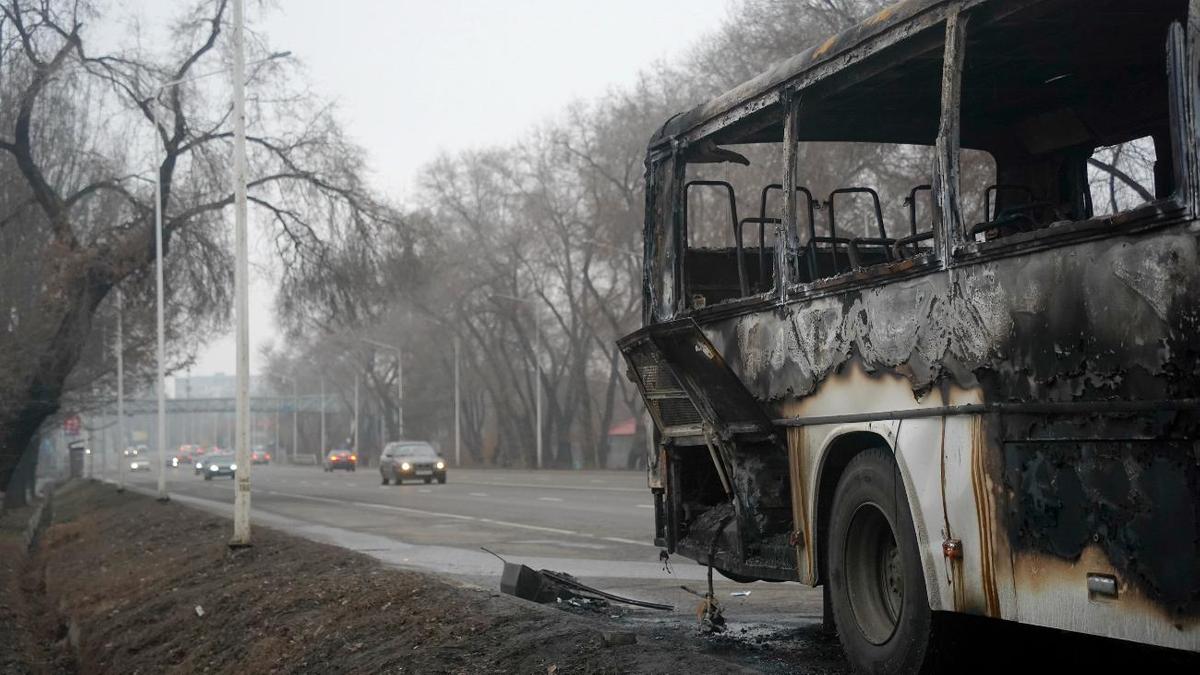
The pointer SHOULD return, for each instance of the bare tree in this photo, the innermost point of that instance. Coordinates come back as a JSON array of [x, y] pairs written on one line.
[[305, 178]]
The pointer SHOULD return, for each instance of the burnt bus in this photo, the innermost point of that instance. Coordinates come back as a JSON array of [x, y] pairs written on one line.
[[974, 392]]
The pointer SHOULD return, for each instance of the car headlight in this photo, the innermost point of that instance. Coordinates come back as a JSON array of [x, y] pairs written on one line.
[[213, 467], [133, 465], [233, 467], [199, 465], [441, 465], [405, 466]]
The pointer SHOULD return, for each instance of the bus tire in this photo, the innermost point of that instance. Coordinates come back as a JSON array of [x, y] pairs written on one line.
[[876, 584]]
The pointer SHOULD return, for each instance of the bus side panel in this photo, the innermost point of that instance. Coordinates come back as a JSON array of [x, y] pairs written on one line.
[[1122, 513]]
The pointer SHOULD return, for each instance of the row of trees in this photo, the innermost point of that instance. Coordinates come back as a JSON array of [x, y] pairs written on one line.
[[540, 235]]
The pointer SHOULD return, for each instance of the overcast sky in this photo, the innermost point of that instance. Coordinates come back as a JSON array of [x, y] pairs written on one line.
[[413, 79]]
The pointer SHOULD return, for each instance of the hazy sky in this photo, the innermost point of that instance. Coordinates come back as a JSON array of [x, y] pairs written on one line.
[[412, 79]]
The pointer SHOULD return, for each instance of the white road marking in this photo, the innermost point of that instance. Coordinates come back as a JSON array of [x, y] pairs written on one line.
[[457, 516], [425, 490], [477, 494], [542, 486], [645, 506], [549, 499]]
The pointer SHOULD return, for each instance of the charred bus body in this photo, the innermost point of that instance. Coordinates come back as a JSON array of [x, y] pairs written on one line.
[[991, 406]]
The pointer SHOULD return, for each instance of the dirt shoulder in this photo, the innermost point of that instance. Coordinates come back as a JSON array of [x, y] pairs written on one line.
[[126, 574]]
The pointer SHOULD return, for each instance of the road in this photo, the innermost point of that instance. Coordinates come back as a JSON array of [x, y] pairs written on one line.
[[595, 525]]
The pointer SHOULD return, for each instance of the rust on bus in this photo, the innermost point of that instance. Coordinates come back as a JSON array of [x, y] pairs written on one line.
[[1028, 351]]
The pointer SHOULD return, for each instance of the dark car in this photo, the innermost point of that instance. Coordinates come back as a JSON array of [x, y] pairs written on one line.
[[219, 465], [200, 457], [259, 455], [411, 460], [341, 459]]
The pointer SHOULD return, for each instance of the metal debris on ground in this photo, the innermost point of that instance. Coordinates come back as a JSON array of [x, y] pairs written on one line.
[[708, 612], [547, 586]]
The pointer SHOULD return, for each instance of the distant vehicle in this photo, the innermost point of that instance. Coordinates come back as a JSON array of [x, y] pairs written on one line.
[[200, 457], [259, 455], [411, 460], [139, 465], [219, 465], [132, 451], [341, 459]]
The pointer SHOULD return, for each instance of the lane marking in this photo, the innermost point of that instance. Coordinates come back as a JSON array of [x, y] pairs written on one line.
[[645, 506], [542, 486], [424, 490], [476, 519], [549, 499], [477, 494]]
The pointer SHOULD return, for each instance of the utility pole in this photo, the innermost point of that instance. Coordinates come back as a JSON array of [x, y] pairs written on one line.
[[323, 447], [537, 358], [399, 385], [354, 432], [537, 355], [241, 498], [295, 407], [158, 308], [295, 425], [457, 407], [121, 438]]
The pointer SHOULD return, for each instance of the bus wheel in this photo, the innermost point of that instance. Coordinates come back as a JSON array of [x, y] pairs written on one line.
[[877, 587]]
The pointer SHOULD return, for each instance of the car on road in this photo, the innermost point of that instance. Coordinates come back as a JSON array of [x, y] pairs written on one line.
[[411, 460], [219, 465], [259, 455], [139, 464], [341, 459]]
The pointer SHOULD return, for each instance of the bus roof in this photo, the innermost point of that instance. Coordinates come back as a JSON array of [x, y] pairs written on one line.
[[816, 62]]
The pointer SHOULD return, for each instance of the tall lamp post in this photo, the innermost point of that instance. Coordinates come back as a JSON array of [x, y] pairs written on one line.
[[537, 358], [121, 438], [399, 386], [241, 270], [295, 426]]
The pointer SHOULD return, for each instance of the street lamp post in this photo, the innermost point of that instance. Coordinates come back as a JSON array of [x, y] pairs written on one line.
[[295, 426], [354, 432], [241, 274], [457, 407], [322, 448], [120, 393], [537, 354], [399, 386]]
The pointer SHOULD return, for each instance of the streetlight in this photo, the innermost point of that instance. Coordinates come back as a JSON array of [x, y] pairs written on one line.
[[457, 407], [399, 386], [120, 392], [241, 269], [537, 353], [295, 407]]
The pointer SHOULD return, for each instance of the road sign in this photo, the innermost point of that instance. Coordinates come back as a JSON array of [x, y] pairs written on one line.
[[71, 425]]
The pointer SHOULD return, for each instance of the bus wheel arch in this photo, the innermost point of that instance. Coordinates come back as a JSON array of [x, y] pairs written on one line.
[[837, 456]]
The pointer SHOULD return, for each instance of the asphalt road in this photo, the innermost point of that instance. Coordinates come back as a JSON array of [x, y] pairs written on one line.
[[596, 525]]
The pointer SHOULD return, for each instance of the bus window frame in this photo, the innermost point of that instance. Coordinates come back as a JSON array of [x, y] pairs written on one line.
[[1181, 62]]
